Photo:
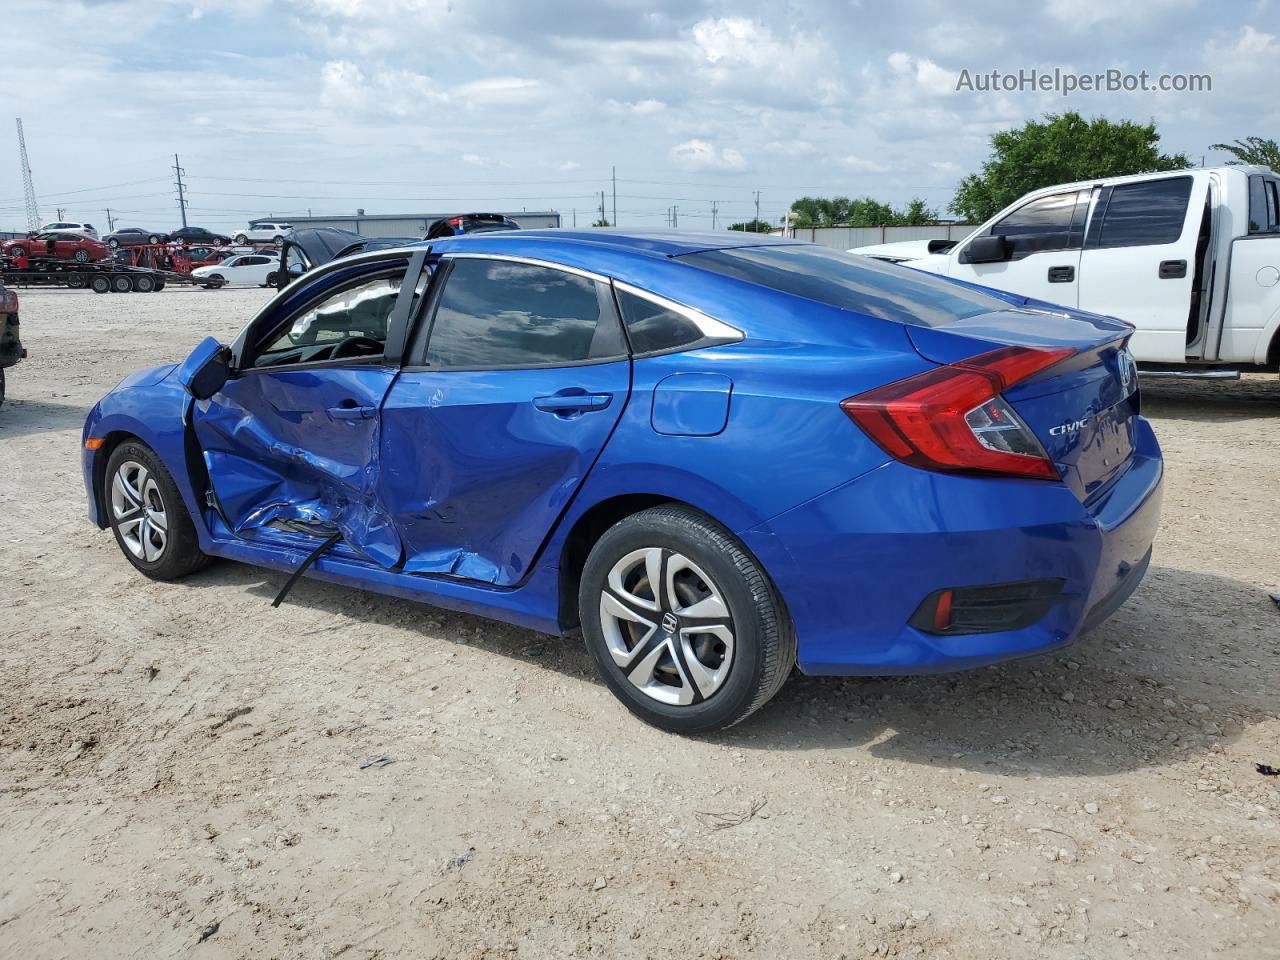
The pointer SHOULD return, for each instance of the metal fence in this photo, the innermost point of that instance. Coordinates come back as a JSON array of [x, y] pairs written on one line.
[[844, 238]]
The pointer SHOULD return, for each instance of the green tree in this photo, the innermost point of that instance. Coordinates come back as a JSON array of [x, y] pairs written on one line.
[[1252, 150], [862, 212], [602, 222], [1060, 148], [751, 226]]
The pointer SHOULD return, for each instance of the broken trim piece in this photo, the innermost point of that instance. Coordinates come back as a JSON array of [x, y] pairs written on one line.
[[304, 565]]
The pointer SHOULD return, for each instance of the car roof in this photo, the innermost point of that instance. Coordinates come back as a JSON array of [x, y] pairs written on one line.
[[665, 243]]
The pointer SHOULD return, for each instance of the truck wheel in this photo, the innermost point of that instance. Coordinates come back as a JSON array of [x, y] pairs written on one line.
[[81, 256], [100, 284], [121, 283], [75, 280], [1, 386], [159, 284], [143, 284]]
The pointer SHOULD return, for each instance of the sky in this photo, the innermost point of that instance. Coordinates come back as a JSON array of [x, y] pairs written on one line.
[[280, 107]]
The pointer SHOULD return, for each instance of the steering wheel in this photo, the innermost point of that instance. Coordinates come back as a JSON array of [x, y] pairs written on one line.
[[356, 347]]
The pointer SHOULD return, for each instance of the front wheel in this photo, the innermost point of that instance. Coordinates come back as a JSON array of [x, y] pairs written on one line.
[[147, 515], [81, 256], [113, 243], [153, 239], [684, 626], [241, 238]]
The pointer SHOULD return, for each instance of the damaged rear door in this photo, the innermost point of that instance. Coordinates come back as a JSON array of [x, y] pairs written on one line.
[[292, 440], [517, 376]]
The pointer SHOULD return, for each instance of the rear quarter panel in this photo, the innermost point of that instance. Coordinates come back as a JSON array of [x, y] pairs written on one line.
[[1253, 300]]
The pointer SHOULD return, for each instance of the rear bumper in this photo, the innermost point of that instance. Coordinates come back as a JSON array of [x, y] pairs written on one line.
[[875, 548]]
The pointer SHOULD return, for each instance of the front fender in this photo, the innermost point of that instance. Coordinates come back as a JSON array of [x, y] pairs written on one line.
[[157, 414]]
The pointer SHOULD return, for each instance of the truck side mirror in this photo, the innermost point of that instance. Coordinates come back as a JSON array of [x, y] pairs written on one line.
[[986, 250], [206, 369]]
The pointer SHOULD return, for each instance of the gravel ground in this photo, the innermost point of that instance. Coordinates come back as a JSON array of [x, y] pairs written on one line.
[[181, 767]]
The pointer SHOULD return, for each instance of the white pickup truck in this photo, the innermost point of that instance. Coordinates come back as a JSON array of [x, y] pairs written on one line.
[[1191, 259]]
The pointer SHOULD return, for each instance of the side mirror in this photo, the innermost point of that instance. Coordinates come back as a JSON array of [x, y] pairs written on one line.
[[206, 369], [986, 250]]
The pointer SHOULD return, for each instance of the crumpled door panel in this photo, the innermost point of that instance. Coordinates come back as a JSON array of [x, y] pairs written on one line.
[[302, 446]]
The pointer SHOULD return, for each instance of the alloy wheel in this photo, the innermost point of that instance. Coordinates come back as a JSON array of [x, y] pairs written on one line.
[[667, 626], [139, 511]]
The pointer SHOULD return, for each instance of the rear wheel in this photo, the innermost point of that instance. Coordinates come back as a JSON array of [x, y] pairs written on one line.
[[81, 256], [113, 243], [153, 239], [75, 280], [277, 240], [143, 283], [147, 515], [121, 283], [17, 251], [100, 284], [683, 624]]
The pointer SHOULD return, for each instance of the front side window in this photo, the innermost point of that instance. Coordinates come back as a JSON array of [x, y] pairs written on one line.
[[1145, 214], [351, 323], [1046, 223], [499, 313]]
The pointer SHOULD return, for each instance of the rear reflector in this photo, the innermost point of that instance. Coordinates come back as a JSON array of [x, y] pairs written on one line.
[[953, 418], [989, 609]]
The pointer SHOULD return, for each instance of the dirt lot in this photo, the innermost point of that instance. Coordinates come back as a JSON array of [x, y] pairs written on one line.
[[181, 765]]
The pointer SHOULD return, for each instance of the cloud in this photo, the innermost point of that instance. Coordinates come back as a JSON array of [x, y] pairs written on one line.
[[701, 155], [863, 165]]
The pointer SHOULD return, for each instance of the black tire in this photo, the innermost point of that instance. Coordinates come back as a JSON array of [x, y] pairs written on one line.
[[143, 283], [272, 280], [153, 239], [763, 649], [17, 251], [113, 243], [81, 256], [100, 283], [159, 284], [277, 240], [1, 386], [121, 283], [75, 281], [241, 238], [180, 553]]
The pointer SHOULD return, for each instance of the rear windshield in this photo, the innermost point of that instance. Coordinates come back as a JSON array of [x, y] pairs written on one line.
[[851, 282]]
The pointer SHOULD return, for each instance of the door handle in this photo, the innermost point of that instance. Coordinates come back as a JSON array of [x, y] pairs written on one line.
[[1173, 269], [352, 412], [1062, 274], [571, 403]]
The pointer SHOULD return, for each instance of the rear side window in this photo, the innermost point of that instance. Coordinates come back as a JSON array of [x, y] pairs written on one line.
[[851, 282], [1046, 223], [1263, 215], [498, 313], [654, 328], [1146, 213]]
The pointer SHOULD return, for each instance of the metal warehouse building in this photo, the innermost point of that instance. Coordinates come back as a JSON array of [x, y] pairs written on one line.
[[412, 224]]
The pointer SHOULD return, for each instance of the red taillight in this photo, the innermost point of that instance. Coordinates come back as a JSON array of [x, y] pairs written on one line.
[[953, 418], [455, 221]]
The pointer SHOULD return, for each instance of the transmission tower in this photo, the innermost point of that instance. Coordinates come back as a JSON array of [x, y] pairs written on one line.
[[28, 188]]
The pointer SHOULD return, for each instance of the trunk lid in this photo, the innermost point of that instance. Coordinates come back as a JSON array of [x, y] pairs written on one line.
[[1083, 409]]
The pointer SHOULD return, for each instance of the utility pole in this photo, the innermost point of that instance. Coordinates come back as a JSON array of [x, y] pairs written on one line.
[[182, 197], [615, 196], [111, 224], [675, 217], [713, 213], [603, 219], [575, 218], [62, 212], [28, 188], [757, 206]]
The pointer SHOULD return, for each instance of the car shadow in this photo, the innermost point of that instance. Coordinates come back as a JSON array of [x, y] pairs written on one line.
[[21, 418], [1252, 398], [1164, 679]]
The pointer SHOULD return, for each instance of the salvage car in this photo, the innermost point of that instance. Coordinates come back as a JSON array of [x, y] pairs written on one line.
[[11, 348], [63, 226], [1191, 259], [190, 235], [57, 246], [716, 455]]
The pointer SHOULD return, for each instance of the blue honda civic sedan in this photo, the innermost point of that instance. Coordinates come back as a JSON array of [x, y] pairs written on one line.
[[717, 456]]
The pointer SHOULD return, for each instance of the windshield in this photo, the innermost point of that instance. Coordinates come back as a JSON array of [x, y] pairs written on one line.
[[851, 282]]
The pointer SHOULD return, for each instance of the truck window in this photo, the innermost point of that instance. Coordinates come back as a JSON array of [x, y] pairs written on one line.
[[1146, 213], [1046, 223], [1263, 215]]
